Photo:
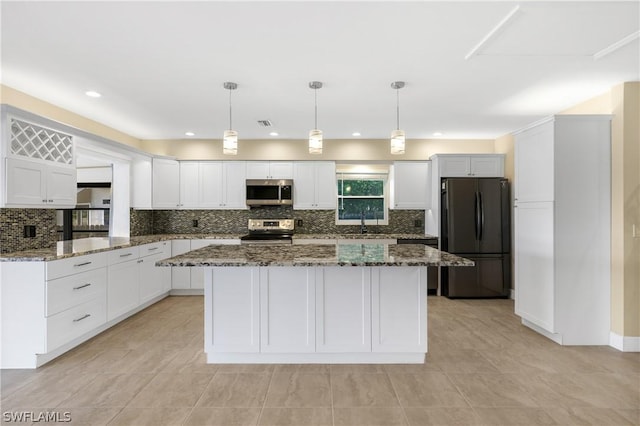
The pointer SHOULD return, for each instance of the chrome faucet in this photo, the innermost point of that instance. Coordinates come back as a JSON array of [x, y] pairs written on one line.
[[363, 227]]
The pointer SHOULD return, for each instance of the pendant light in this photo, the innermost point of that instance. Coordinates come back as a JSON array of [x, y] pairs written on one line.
[[315, 135], [230, 138], [397, 136]]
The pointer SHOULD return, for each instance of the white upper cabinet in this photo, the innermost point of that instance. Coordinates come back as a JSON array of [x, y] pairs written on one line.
[[474, 165], [166, 184], [314, 185], [141, 183], [234, 190], [411, 185], [534, 158], [39, 164], [189, 184], [269, 170]]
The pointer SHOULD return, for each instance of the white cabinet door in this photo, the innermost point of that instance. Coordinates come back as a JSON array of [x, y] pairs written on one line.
[[61, 186], [26, 183], [325, 181], [304, 186], [454, 166], [534, 160], [234, 185], [534, 263], [166, 184], [189, 184], [343, 309], [280, 170], [257, 170], [141, 184], [123, 288], [287, 310], [314, 185], [232, 318], [269, 170], [154, 280], [210, 184], [412, 185], [486, 166], [399, 309]]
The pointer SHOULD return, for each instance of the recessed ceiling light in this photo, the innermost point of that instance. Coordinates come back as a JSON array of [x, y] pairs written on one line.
[[273, 134], [355, 134], [189, 134], [437, 134], [92, 94]]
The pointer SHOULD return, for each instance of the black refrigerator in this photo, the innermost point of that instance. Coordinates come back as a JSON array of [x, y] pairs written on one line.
[[475, 224]]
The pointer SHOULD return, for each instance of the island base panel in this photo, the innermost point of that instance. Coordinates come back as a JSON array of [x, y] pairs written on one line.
[[316, 358]]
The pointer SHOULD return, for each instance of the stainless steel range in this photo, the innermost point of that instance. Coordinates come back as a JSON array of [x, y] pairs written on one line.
[[269, 231]]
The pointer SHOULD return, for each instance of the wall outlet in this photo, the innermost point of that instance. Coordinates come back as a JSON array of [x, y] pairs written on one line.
[[299, 223], [194, 223], [29, 231], [417, 223]]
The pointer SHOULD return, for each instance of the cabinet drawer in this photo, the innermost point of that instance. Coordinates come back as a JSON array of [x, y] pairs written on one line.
[[122, 255], [155, 248], [72, 323], [74, 265], [64, 293]]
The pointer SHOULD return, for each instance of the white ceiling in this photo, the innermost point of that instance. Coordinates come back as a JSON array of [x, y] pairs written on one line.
[[160, 66]]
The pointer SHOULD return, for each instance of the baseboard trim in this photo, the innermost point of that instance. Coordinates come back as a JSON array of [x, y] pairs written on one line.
[[624, 343]]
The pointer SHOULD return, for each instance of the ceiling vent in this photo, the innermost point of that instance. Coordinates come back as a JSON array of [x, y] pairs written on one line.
[[264, 123]]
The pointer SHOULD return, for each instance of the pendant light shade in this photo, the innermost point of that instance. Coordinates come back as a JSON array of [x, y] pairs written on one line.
[[230, 142], [315, 141], [230, 138], [397, 142], [315, 135]]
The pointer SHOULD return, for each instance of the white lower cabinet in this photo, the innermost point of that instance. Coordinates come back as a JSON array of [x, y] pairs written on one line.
[[123, 293], [154, 280], [315, 314], [343, 307], [398, 309], [287, 310], [74, 322], [232, 321]]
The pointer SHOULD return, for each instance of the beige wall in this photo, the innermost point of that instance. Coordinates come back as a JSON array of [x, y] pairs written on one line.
[[625, 212], [347, 149], [23, 101]]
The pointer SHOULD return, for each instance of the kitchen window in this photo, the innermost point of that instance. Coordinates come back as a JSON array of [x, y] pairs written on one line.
[[362, 195]]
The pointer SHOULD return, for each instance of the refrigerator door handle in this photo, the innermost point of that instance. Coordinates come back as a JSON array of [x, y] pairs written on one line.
[[481, 215], [477, 214]]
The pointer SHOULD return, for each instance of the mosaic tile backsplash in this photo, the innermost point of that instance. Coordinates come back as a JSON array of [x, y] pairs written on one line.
[[145, 222], [13, 221], [235, 221]]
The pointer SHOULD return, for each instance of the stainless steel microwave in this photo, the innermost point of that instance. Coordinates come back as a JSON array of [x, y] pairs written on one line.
[[269, 192]]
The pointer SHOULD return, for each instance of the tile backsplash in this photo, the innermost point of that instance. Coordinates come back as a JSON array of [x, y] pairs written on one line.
[[145, 222], [13, 221], [235, 221]]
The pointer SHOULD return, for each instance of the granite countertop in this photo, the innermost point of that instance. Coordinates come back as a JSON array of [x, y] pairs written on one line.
[[335, 254], [362, 236], [84, 246]]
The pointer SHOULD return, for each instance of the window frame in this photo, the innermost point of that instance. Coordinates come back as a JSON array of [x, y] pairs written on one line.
[[364, 176]]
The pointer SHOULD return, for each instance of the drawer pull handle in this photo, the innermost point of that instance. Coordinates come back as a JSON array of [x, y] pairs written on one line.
[[85, 316], [140, 261], [126, 255], [82, 286], [153, 248], [77, 265]]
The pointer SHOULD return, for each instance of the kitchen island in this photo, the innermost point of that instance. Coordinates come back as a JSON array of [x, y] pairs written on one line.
[[317, 303]]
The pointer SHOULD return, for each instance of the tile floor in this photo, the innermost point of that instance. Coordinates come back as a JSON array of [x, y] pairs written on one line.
[[483, 368]]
